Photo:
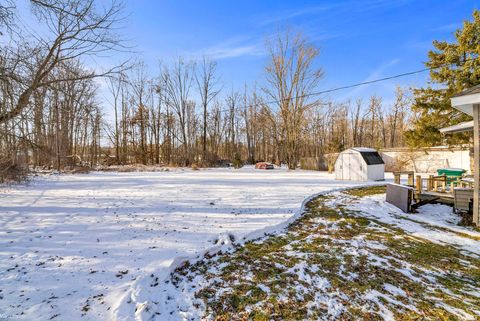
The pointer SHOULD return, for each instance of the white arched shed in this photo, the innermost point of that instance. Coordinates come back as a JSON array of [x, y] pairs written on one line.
[[360, 164]]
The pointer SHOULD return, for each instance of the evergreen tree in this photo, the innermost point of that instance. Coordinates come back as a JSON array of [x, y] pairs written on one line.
[[459, 69]]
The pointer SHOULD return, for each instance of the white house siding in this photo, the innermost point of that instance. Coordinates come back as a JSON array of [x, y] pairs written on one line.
[[426, 160]]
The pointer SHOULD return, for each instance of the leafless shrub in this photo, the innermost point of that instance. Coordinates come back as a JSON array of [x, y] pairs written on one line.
[[77, 169], [12, 172], [466, 219]]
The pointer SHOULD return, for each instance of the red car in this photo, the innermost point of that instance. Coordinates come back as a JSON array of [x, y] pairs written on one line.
[[264, 165]]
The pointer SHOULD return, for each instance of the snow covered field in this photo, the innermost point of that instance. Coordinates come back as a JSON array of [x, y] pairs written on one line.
[[82, 246]]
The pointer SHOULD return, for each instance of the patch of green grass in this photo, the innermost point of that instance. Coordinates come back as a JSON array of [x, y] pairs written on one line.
[[367, 191]]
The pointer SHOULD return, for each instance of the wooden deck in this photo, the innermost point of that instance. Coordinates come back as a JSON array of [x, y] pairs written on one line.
[[438, 189], [445, 198]]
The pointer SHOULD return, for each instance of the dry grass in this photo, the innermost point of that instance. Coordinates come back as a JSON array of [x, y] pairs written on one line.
[[133, 168], [195, 167]]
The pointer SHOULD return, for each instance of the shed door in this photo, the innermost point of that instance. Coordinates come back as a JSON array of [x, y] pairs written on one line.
[[347, 167], [343, 165], [354, 167]]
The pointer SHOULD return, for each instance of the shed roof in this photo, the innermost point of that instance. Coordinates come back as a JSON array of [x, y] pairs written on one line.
[[372, 158], [369, 155], [364, 149]]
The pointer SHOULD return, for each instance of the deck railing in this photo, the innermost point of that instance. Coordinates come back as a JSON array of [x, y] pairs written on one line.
[[439, 184], [398, 175], [432, 183]]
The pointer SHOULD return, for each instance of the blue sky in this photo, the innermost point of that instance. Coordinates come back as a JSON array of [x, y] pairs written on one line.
[[359, 40]]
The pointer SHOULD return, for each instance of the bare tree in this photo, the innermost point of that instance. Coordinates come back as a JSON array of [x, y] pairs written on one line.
[[397, 116], [115, 86], [7, 15], [207, 83], [77, 29], [356, 122], [292, 76], [232, 102], [178, 83], [140, 86]]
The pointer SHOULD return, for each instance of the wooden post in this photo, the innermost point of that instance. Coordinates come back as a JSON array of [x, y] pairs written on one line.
[[396, 178], [430, 183], [419, 184], [410, 179], [452, 187], [476, 163]]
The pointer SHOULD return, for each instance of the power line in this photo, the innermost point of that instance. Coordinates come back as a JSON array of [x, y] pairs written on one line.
[[365, 82], [326, 91]]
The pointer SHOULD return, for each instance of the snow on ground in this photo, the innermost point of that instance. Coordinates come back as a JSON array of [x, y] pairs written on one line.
[[434, 222], [350, 256], [84, 246]]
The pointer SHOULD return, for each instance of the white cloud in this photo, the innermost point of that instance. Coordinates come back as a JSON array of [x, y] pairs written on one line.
[[231, 52], [336, 10], [231, 48], [375, 74]]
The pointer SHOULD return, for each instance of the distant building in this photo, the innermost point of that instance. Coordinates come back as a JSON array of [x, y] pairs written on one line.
[[359, 164], [426, 159]]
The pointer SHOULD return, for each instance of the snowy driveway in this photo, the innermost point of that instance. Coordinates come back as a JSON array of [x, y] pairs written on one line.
[[72, 246]]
